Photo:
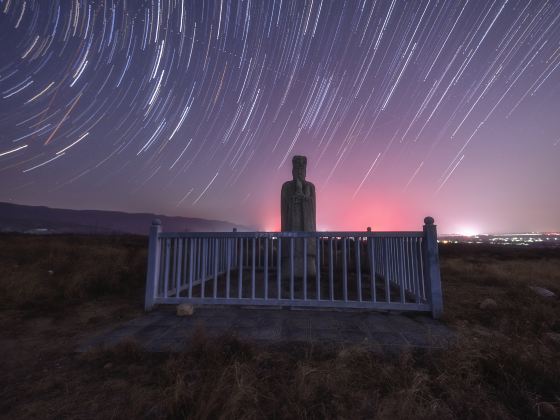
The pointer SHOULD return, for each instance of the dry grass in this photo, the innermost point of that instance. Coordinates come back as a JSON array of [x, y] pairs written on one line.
[[54, 272], [504, 366]]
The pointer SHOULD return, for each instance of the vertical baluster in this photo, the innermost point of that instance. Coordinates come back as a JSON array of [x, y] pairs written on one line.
[[401, 259], [172, 262], [323, 249], [179, 272], [395, 260], [161, 268], [344, 271], [208, 265], [204, 263], [266, 267], [253, 262], [163, 272], [173, 268], [259, 252], [166, 269], [410, 252], [415, 277], [331, 269], [371, 255], [229, 243], [292, 268], [318, 247], [272, 252], [185, 276], [199, 260], [386, 250], [393, 277], [195, 260], [336, 252], [357, 247], [223, 253], [412, 266], [191, 264], [405, 256], [304, 268], [216, 255], [377, 245], [236, 250], [240, 274], [220, 253], [181, 269], [384, 258], [209, 258], [246, 252], [279, 268], [233, 252]]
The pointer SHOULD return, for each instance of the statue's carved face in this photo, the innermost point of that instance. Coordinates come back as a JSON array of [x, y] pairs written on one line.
[[299, 165]]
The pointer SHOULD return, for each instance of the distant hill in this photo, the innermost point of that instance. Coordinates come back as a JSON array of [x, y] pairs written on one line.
[[39, 219]]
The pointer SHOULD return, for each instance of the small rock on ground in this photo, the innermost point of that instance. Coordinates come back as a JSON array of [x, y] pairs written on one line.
[[185, 309], [489, 304], [541, 291]]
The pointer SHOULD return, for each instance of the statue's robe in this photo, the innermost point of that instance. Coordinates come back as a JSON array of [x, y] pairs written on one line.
[[298, 215]]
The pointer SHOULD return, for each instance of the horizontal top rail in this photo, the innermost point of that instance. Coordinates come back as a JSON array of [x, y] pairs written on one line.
[[361, 234]]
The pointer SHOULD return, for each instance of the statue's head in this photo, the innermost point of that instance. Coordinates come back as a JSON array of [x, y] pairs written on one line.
[[299, 165]]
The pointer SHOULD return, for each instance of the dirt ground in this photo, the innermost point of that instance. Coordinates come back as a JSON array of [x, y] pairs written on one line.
[[55, 290]]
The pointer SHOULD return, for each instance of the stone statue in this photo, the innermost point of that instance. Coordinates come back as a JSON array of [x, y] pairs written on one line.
[[298, 200], [298, 206]]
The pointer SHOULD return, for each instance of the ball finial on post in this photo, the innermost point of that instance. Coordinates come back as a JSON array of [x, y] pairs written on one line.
[[429, 220], [156, 222]]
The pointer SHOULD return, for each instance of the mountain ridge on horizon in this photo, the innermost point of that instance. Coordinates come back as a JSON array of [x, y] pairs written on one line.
[[43, 219], [25, 218]]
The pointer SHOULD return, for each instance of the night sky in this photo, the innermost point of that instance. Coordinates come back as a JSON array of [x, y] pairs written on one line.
[[403, 108]]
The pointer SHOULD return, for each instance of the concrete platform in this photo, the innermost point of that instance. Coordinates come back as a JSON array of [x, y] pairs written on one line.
[[163, 331]]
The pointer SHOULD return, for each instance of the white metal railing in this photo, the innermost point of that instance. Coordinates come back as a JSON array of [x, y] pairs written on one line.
[[370, 270]]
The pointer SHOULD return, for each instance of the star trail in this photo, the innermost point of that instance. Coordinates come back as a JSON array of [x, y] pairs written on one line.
[[194, 108]]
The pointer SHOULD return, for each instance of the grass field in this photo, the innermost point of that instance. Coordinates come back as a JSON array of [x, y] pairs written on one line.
[[55, 290]]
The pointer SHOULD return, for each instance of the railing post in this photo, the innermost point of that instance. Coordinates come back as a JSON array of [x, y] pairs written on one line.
[[154, 252], [431, 267]]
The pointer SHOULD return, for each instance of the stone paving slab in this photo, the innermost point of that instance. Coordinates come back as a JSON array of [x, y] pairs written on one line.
[[161, 330]]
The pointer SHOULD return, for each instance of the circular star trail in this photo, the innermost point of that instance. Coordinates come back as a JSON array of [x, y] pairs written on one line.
[[403, 108]]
